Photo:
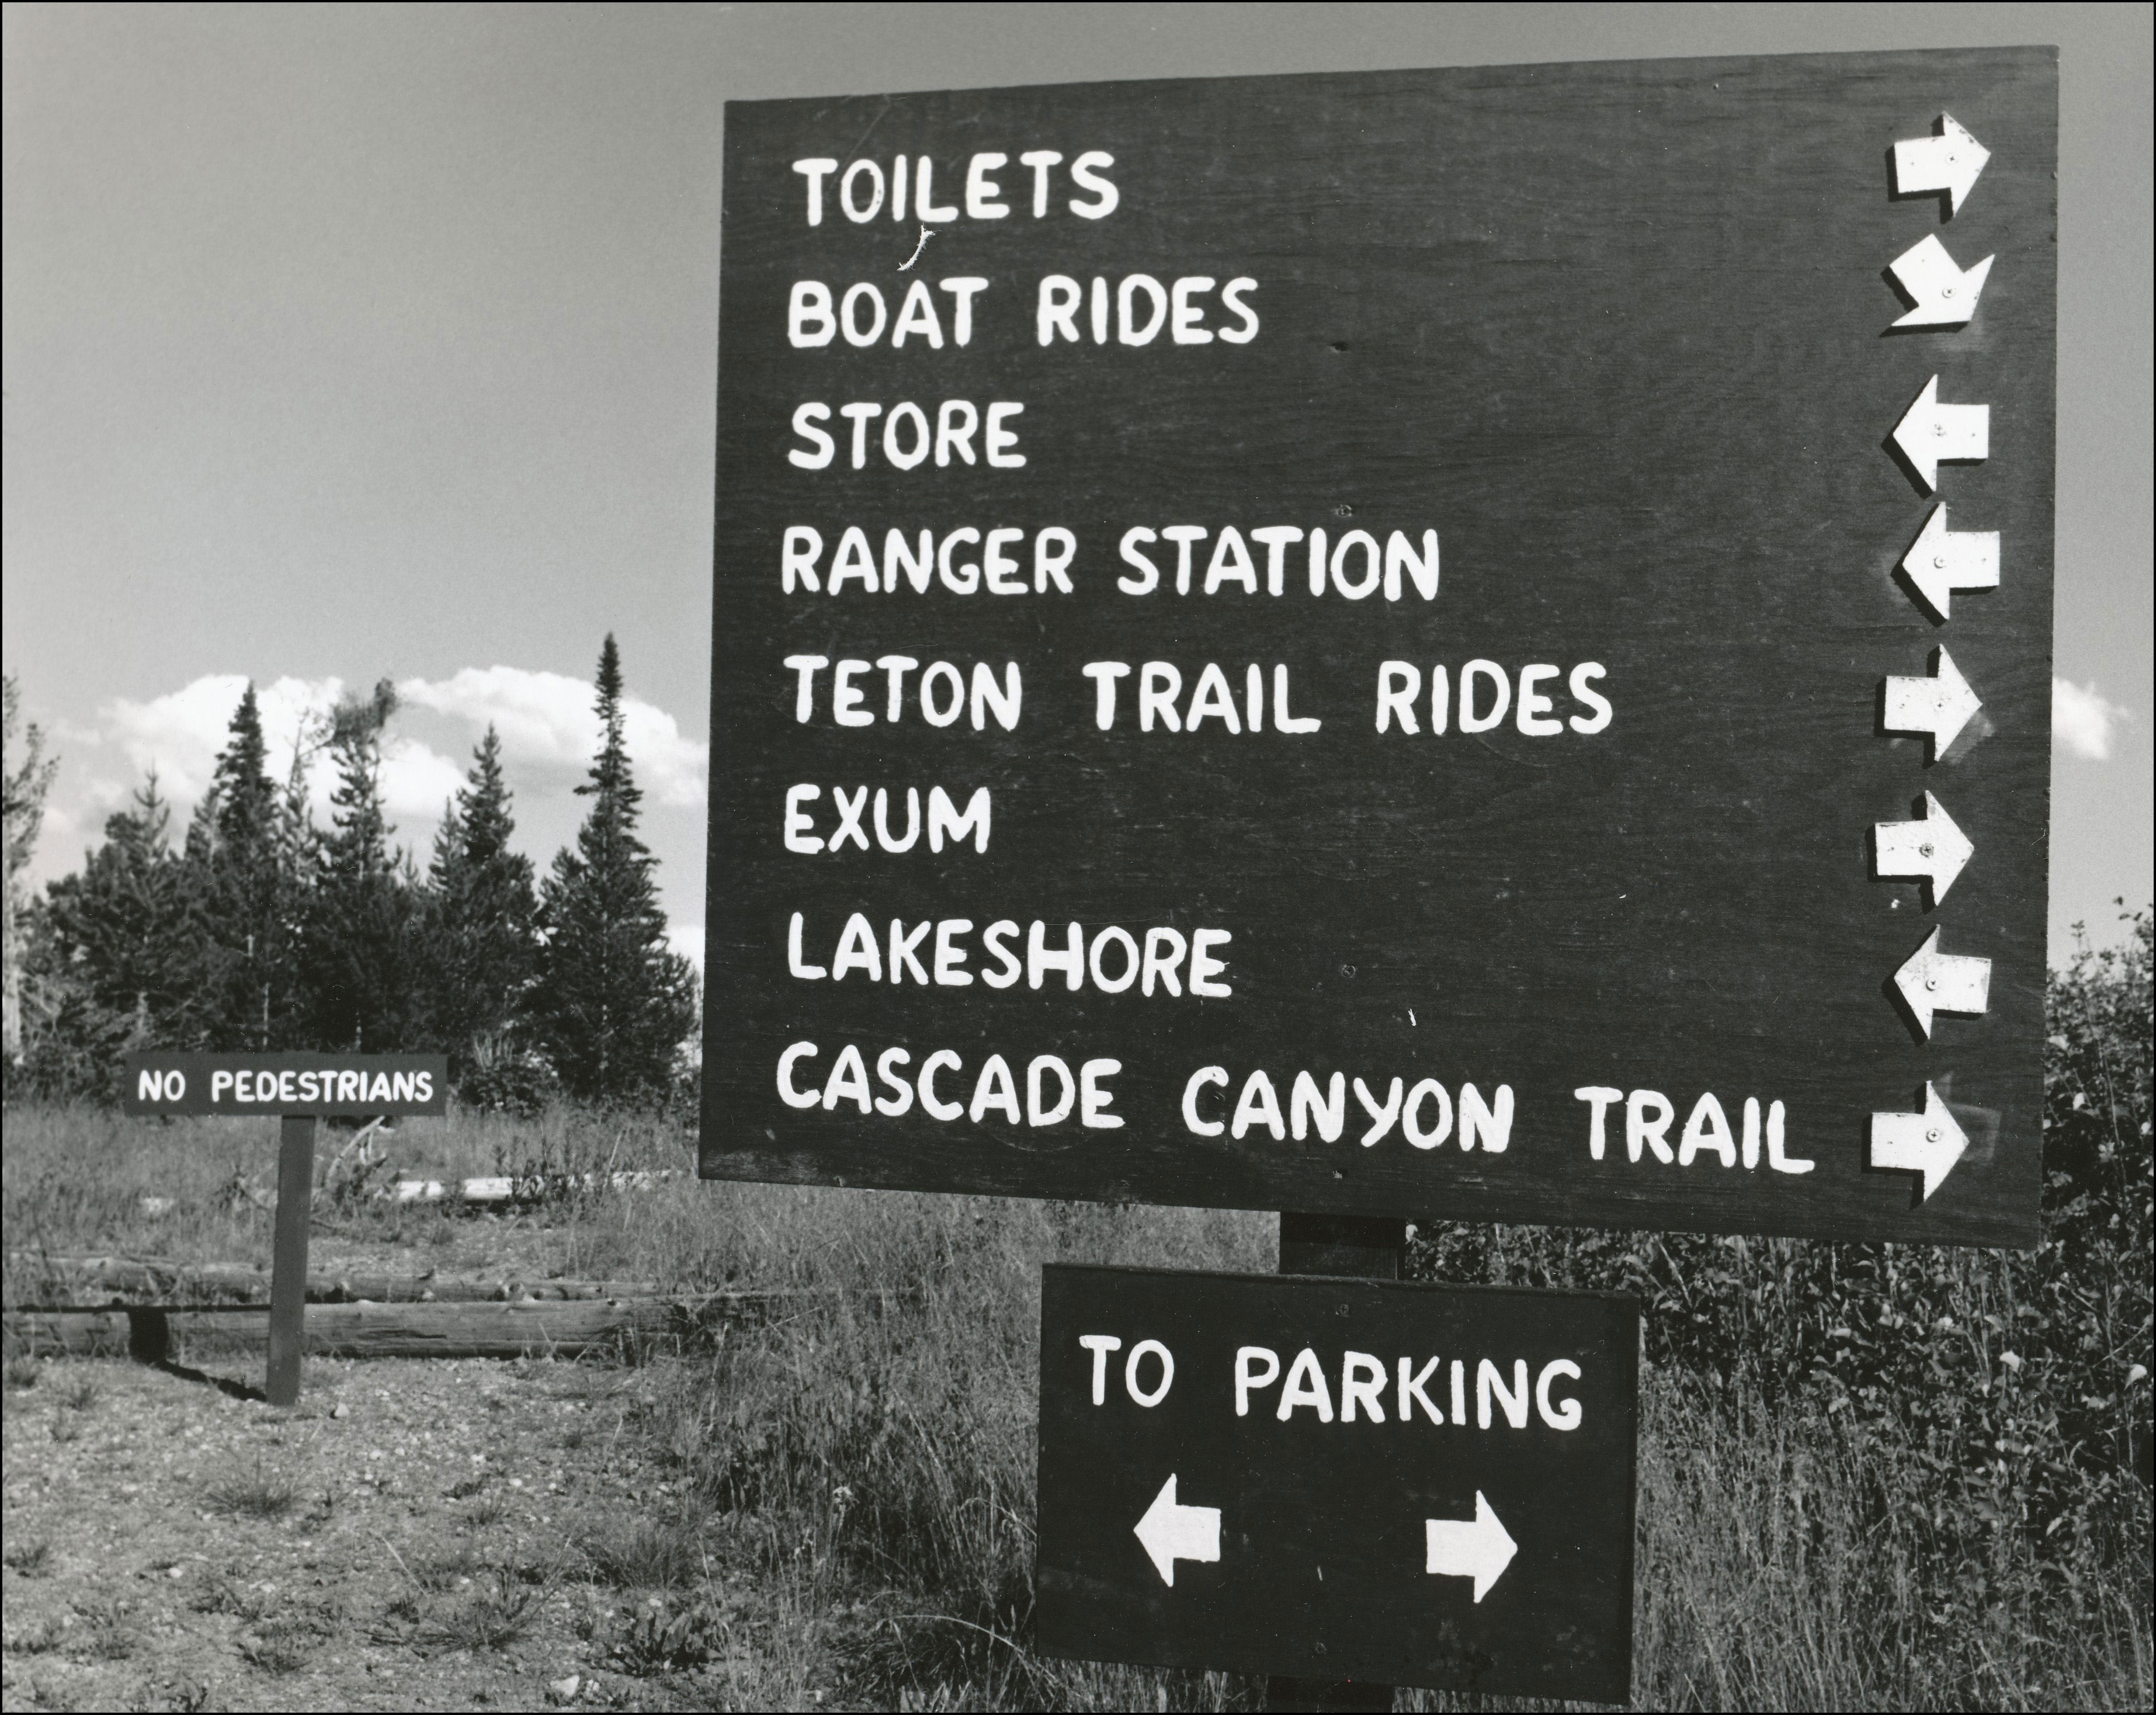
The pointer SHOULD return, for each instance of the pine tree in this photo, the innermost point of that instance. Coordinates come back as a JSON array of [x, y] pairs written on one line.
[[23, 810], [126, 932], [614, 1004], [482, 916], [240, 858], [357, 954]]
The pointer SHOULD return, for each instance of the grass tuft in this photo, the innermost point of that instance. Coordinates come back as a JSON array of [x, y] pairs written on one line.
[[30, 1558], [260, 1494], [494, 1618], [647, 1556]]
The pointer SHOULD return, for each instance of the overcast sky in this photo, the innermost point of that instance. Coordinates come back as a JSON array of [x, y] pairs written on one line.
[[355, 343]]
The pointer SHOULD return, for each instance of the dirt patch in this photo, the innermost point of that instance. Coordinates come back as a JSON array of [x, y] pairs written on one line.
[[412, 1535]]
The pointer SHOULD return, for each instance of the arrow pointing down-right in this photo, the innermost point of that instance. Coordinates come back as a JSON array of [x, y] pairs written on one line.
[[1944, 292], [1480, 1548]]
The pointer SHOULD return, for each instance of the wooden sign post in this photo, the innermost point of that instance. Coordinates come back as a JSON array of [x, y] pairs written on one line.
[[1375, 644], [299, 1088]]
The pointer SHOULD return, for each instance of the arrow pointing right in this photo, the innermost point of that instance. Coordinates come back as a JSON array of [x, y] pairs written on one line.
[[1950, 162], [1943, 561], [1929, 1143], [1173, 1533], [1939, 706], [1931, 434], [1945, 293], [1932, 851], [1480, 1549], [1935, 982]]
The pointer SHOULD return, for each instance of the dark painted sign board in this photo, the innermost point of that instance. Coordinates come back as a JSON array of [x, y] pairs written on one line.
[[1471, 640], [350, 1084], [1339, 1479]]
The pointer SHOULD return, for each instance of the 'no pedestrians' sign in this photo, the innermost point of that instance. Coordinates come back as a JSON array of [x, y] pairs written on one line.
[[1468, 640], [1335, 1479]]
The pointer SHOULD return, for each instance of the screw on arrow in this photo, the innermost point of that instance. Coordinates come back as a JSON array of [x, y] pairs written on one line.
[[1480, 1548], [1171, 1533]]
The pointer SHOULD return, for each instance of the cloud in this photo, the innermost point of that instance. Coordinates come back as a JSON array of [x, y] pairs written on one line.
[[179, 734], [417, 780], [687, 939], [2083, 723], [547, 720]]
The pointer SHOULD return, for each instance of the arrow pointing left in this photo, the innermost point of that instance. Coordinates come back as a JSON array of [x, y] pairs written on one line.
[[1934, 982], [1931, 433], [1944, 292], [1943, 561], [1480, 1548], [1171, 1532], [1929, 1143]]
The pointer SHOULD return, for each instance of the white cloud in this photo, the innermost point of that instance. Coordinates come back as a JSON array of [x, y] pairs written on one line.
[[687, 939], [547, 720], [179, 734], [417, 780], [2083, 723]]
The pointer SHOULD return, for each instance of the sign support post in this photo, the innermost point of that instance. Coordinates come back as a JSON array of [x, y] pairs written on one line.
[[1367, 1247], [288, 1278], [298, 1089]]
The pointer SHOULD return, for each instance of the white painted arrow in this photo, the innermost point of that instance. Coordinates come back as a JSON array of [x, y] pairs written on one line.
[[1935, 982], [1946, 293], [1939, 706], [1171, 1532], [1931, 433], [1480, 1549], [1943, 561], [1932, 851], [1950, 162], [1929, 1143]]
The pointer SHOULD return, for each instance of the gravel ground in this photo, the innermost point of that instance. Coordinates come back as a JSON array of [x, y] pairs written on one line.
[[407, 1538]]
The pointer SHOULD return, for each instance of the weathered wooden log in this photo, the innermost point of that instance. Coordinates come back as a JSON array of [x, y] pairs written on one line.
[[560, 1328], [237, 1281]]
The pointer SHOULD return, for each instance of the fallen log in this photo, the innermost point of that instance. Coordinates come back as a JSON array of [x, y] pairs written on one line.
[[560, 1328], [237, 1281], [498, 1188]]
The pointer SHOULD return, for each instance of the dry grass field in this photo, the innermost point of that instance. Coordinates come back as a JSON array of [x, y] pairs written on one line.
[[828, 1508]]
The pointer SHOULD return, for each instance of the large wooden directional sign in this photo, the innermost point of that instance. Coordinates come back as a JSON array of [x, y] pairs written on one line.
[[1472, 641], [1337, 1479]]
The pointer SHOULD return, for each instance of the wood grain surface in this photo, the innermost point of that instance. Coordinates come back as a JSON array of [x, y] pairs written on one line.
[[1619, 333]]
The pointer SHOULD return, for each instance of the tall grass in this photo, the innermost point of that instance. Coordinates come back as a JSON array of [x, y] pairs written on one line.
[[1871, 1476]]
